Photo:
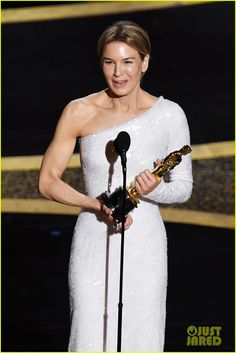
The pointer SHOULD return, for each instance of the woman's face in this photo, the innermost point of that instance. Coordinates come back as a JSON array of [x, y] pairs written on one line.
[[122, 67]]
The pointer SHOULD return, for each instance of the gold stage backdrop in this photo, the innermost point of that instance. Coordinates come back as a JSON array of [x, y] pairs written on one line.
[[211, 204]]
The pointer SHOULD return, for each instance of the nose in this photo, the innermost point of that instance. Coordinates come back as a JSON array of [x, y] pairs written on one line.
[[116, 70]]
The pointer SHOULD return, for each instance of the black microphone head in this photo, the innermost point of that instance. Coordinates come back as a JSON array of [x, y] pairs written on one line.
[[122, 142]]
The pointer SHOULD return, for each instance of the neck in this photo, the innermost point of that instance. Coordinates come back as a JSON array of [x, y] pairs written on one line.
[[126, 103]]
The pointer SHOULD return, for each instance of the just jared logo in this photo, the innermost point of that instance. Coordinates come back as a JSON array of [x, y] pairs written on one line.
[[204, 335]]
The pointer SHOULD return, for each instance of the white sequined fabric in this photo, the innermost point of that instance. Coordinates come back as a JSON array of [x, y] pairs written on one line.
[[95, 254]]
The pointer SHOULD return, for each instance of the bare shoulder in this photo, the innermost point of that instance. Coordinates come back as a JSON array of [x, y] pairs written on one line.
[[79, 108], [78, 113]]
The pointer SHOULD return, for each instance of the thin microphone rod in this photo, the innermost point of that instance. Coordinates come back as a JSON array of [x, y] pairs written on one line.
[[121, 145]]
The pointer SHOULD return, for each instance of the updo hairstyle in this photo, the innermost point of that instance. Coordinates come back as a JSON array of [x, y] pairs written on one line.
[[129, 33]]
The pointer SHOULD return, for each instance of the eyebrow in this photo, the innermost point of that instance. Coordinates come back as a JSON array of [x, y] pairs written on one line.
[[107, 58]]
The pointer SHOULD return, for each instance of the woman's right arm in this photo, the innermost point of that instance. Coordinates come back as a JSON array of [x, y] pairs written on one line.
[[57, 157]]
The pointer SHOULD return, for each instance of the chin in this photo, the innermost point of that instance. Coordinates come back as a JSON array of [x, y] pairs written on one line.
[[121, 92]]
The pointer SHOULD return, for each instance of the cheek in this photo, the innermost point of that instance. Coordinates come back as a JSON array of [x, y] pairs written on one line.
[[107, 71], [134, 71]]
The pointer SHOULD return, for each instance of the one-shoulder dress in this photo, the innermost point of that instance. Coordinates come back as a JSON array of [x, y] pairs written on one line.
[[94, 269]]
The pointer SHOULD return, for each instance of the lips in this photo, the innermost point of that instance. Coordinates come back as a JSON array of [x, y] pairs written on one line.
[[119, 83]]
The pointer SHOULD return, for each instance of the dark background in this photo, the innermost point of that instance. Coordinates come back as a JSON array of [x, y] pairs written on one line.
[[47, 64]]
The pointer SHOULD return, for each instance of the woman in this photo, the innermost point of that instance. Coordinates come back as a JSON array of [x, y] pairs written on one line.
[[157, 127]]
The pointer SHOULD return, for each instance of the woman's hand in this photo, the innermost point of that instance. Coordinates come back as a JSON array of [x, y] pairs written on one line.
[[108, 212], [146, 182]]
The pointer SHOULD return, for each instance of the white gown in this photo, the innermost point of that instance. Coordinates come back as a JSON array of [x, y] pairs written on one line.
[[95, 254]]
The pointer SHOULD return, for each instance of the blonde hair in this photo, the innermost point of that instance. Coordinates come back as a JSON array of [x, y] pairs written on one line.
[[129, 33]]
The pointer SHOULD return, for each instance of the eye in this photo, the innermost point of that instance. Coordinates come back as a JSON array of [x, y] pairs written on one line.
[[107, 62], [128, 62]]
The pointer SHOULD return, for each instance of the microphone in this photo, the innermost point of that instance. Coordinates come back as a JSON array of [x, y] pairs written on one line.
[[122, 143], [121, 146]]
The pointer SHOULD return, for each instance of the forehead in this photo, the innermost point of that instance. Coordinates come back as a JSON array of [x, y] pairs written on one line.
[[120, 50]]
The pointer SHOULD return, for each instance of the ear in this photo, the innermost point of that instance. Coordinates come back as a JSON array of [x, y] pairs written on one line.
[[145, 63]]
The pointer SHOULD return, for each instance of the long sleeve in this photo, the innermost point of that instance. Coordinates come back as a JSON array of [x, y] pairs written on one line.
[[179, 188]]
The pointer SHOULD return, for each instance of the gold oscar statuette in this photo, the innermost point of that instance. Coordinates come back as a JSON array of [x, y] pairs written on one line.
[[114, 200]]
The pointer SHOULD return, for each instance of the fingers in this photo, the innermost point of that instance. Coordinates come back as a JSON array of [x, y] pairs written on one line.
[[145, 182], [145, 178], [158, 161], [108, 212], [128, 221]]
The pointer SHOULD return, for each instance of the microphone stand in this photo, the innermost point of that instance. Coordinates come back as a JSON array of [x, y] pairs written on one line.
[[120, 304]]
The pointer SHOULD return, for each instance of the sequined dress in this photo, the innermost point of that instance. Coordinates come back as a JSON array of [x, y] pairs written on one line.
[[95, 253]]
